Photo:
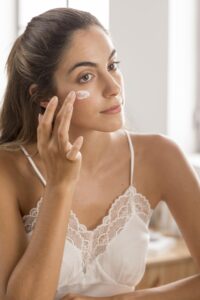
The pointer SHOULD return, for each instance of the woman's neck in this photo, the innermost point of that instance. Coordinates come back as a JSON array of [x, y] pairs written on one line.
[[96, 150]]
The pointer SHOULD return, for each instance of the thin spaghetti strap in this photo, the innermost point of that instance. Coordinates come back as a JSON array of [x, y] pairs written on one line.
[[132, 156], [35, 168]]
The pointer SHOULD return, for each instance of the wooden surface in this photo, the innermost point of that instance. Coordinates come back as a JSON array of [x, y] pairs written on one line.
[[168, 265]]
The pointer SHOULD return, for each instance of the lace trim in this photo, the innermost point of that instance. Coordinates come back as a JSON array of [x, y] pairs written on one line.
[[30, 219], [94, 242]]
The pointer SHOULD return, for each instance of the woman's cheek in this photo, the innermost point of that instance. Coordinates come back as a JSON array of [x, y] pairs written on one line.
[[83, 100], [82, 110]]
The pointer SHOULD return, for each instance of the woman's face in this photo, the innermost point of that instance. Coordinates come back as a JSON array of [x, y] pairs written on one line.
[[89, 64]]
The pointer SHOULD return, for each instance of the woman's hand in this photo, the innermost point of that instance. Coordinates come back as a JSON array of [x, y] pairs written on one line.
[[76, 297], [62, 160]]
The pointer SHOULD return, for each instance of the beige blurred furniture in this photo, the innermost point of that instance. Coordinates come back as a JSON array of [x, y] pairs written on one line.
[[170, 264]]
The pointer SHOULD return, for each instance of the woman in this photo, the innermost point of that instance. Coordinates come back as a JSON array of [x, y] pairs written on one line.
[[65, 161]]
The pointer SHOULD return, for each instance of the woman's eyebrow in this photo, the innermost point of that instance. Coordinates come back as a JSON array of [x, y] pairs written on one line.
[[88, 63]]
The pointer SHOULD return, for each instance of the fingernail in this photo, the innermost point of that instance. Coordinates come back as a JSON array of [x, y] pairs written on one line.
[[71, 94], [39, 117], [68, 154], [53, 100], [82, 94]]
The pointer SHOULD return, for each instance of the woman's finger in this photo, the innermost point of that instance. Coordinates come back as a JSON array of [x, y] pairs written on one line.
[[64, 114], [73, 153], [44, 130], [62, 135]]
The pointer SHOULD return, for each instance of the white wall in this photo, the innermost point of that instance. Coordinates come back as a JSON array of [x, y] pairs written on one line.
[[182, 72], [8, 33], [140, 33], [157, 43]]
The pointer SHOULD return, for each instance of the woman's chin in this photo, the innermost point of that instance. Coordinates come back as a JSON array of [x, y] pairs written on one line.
[[113, 127]]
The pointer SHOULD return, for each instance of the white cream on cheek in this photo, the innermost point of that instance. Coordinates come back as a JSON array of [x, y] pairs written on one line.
[[82, 95]]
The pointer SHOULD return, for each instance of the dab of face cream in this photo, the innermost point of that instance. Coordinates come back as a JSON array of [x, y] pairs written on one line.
[[81, 95]]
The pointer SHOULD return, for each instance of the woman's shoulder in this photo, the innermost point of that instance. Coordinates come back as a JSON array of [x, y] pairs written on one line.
[[147, 137], [159, 152], [10, 158], [10, 162], [163, 160], [7, 159], [154, 144]]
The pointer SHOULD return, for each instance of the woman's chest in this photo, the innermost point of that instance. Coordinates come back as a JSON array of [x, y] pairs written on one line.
[[93, 197], [93, 194]]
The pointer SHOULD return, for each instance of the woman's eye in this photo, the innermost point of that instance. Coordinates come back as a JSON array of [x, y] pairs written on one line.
[[85, 78], [114, 65]]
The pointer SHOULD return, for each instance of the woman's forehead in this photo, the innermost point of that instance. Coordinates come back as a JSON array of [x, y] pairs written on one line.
[[89, 44]]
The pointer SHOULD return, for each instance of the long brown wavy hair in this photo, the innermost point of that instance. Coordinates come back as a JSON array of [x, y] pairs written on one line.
[[33, 59]]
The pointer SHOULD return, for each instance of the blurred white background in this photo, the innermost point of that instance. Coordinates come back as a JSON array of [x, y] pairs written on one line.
[[158, 45]]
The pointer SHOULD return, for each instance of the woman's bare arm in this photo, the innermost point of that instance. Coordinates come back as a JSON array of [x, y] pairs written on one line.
[[30, 271], [180, 188]]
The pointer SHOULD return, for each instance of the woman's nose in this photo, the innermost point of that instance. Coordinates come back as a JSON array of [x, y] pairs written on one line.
[[112, 87]]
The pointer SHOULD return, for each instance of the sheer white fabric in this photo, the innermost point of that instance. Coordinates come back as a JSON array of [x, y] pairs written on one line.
[[109, 259]]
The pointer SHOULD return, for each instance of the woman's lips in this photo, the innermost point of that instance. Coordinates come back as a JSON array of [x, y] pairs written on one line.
[[112, 110]]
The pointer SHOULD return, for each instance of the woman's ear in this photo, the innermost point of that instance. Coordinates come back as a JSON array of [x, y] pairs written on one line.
[[32, 88]]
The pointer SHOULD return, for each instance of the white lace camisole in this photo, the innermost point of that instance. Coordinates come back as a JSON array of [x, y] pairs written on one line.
[[110, 259]]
